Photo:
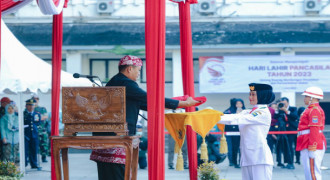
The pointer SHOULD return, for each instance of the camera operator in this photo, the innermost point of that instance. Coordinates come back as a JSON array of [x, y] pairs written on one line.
[[282, 145], [293, 120]]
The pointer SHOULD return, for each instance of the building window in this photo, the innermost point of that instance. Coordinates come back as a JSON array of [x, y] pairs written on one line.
[[168, 71], [196, 70], [105, 69], [112, 68]]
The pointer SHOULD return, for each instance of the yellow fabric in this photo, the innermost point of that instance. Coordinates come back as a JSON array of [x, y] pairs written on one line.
[[221, 127], [177, 149], [223, 145], [179, 162], [176, 128], [204, 155], [223, 142], [200, 121]]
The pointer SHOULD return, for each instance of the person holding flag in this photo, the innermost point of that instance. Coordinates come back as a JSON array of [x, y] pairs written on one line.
[[111, 162], [256, 157]]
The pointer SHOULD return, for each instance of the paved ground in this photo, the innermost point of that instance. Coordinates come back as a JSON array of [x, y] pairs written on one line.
[[82, 168]]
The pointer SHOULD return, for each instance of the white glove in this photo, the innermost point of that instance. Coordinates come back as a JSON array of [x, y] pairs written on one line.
[[311, 154]]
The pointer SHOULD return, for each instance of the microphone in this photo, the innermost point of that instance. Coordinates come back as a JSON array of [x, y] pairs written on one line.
[[77, 75]]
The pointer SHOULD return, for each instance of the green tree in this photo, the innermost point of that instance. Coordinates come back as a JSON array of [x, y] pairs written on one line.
[[119, 50]]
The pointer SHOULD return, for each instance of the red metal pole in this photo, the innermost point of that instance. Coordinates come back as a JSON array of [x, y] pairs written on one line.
[[155, 58], [188, 80], [57, 40]]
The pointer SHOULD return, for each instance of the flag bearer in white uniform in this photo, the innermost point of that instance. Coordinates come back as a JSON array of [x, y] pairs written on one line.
[[256, 157], [311, 141]]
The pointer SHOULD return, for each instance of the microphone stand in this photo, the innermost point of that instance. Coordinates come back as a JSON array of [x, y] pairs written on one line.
[[92, 80], [77, 75], [143, 117], [100, 81]]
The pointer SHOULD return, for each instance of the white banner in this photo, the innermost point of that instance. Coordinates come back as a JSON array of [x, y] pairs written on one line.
[[232, 74]]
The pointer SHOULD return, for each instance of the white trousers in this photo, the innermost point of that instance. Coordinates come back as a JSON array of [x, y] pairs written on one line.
[[317, 164], [257, 172]]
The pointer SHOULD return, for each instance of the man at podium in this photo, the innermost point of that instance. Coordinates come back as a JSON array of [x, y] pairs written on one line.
[[111, 162]]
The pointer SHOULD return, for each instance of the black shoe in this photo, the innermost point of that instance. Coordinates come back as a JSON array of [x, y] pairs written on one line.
[[36, 167], [170, 167], [280, 165], [297, 162], [231, 164], [237, 166], [290, 166], [186, 167], [44, 160]]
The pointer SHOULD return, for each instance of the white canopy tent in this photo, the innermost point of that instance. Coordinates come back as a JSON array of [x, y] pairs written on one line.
[[22, 73], [21, 70]]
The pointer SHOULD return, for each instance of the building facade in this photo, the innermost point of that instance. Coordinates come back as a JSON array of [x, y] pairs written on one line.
[[97, 33]]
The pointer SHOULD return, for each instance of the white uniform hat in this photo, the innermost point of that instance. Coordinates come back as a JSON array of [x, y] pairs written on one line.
[[314, 92]]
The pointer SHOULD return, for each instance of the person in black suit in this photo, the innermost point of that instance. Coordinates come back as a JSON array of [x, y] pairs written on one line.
[[111, 162], [293, 120]]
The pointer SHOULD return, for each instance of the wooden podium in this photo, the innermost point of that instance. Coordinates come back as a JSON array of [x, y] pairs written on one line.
[[93, 109]]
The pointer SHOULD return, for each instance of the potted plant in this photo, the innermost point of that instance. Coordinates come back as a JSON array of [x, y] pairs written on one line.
[[207, 171], [9, 171]]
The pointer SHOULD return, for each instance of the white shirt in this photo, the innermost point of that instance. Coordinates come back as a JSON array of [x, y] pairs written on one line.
[[254, 128]]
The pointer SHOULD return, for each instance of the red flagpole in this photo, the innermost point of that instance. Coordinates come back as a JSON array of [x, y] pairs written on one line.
[[155, 58], [188, 80], [57, 39]]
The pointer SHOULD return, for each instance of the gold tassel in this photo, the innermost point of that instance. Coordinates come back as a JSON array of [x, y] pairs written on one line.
[[223, 145], [179, 161], [204, 155], [176, 148]]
